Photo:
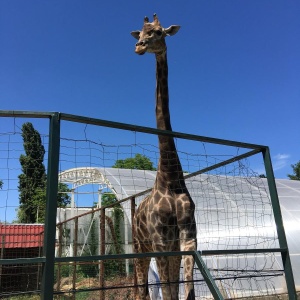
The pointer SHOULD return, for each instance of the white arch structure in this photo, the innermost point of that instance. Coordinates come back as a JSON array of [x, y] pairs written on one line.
[[82, 176], [122, 182]]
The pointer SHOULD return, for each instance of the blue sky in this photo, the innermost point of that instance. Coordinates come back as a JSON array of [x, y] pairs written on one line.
[[234, 66]]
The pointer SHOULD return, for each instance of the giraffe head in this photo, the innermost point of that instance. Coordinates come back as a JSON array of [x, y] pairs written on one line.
[[152, 36]]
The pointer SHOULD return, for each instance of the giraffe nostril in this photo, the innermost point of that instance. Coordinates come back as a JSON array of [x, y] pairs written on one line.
[[141, 43]]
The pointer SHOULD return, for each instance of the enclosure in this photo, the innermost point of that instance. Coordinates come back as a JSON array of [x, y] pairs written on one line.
[[87, 248]]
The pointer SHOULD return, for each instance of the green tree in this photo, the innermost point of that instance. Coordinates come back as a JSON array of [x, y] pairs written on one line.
[[113, 267], [138, 162], [296, 171], [33, 180], [63, 198], [107, 199], [1, 184]]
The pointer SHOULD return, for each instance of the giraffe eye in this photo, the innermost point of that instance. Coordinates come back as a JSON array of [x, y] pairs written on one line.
[[158, 32]]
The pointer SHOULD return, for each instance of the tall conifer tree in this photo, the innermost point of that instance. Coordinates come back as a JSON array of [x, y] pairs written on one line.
[[32, 181]]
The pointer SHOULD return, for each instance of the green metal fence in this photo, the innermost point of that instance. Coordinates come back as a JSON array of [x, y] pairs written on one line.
[[48, 261]]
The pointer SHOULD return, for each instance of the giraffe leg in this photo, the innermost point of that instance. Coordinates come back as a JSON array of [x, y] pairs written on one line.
[[188, 244], [142, 268], [163, 270], [174, 271], [188, 276], [188, 240]]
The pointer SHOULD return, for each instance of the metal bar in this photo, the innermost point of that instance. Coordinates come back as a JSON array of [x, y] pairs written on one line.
[[241, 251], [26, 114], [174, 253], [207, 276], [155, 284], [17, 261], [93, 121], [289, 277], [23, 261], [51, 208], [224, 163], [124, 126]]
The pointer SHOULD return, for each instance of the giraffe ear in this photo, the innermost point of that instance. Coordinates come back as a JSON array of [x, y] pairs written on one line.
[[173, 29], [136, 34]]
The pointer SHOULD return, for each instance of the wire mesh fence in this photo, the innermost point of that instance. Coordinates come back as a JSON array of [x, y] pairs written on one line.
[[233, 212]]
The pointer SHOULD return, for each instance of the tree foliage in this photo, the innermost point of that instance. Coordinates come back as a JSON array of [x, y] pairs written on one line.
[[296, 171], [33, 180], [110, 198], [1, 184], [112, 267], [63, 198], [138, 162]]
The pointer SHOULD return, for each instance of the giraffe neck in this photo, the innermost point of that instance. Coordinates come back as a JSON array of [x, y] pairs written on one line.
[[162, 94], [169, 172]]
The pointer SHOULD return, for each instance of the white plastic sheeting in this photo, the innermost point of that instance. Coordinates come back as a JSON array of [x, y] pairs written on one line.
[[231, 212]]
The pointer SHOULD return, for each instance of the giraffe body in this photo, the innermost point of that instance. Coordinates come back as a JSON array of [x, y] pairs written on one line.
[[164, 221]]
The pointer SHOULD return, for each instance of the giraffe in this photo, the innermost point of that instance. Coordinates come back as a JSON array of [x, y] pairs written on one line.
[[164, 221]]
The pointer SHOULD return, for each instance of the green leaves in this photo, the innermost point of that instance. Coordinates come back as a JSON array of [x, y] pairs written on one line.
[[32, 181], [139, 162], [296, 170]]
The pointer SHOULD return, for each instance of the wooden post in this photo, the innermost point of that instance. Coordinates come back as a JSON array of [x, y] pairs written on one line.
[[60, 233], [2, 256], [75, 254], [133, 245], [102, 243], [38, 280]]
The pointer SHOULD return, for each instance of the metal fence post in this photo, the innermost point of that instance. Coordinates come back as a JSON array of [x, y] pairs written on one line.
[[51, 208], [279, 225], [207, 277]]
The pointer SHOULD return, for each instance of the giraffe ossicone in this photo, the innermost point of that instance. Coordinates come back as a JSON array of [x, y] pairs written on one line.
[[164, 221]]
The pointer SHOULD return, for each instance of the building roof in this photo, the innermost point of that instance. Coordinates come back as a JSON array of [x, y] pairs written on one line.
[[21, 235]]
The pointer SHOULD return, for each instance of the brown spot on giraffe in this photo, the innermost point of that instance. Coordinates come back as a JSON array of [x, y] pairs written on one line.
[[165, 220]]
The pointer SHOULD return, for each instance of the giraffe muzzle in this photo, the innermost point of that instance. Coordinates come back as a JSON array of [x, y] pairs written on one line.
[[141, 47]]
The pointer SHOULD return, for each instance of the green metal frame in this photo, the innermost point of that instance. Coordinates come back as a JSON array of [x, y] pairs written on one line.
[[279, 225], [49, 260], [51, 206]]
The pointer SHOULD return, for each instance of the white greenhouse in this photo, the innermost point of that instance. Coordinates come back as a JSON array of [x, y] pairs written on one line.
[[232, 212]]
